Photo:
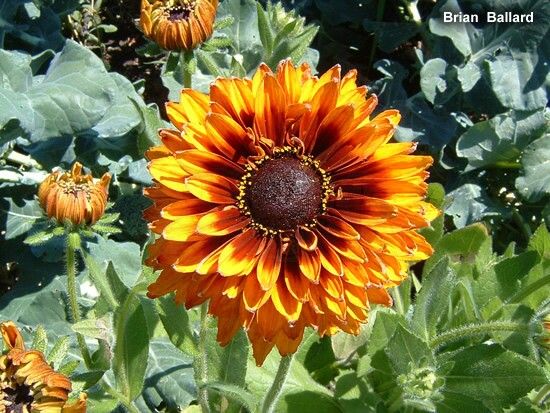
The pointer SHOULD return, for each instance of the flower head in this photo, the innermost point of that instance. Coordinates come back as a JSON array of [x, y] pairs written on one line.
[[28, 383], [281, 200], [178, 24], [71, 196]]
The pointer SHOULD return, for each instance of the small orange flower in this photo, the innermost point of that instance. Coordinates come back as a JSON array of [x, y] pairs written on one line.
[[71, 196], [281, 200], [178, 24], [28, 383]]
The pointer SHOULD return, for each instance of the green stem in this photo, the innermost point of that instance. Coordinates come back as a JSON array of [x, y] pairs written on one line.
[[542, 395], [201, 362], [276, 388], [473, 330], [70, 257], [185, 64]]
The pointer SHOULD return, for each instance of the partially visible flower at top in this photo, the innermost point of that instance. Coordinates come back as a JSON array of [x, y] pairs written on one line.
[[178, 24], [74, 197], [282, 201], [28, 383]]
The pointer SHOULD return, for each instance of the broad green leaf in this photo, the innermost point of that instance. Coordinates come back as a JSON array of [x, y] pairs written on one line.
[[492, 375], [500, 140], [433, 299], [535, 182], [20, 215], [470, 203], [436, 81], [389, 35], [540, 242], [124, 256], [112, 291], [461, 246], [168, 379], [99, 328], [151, 122], [175, 320], [76, 95], [406, 351], [235, 393], [385, 323], [131, 347]]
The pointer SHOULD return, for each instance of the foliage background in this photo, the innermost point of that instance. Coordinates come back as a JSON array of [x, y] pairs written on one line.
[[79, 82]]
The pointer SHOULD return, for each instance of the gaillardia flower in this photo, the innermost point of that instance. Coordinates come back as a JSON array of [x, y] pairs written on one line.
[[281, 201], [72, 196], [178, 24], [28, 383]]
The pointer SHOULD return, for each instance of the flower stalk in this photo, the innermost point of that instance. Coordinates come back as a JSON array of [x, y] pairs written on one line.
[[73, 244], [201, 362], [274, 392]]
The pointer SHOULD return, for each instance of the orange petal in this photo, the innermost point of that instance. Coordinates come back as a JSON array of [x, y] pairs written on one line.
[[306, 238], [254, 295], [330, 260], [297, 285], [196, 161], [285, 303], [310, 264], [223, 222], [237, 255], [337, 227], [212, 188], [269, 264]]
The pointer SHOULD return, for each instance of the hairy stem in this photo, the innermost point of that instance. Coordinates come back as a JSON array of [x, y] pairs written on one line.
[[70, 258], [276, 388], [473, 330], [186, 70], [201, 361]]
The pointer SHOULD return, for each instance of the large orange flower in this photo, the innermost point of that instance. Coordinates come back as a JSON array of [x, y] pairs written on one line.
[[280, 200], [28, 384]]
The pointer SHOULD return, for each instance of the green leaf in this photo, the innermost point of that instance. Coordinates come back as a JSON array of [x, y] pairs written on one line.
[[235, 393], [407, 351], [131, 347], [461, 246], [111, 288], [494, 376], [40, 341], [99, 328], [266, 36], [470, 203], [535, 182], [384, 325], [75, 95], [175, 320], [436, 197], [151, 122], [168, 379], [59, 351], [20, 215], [435, 81], [433, 299], [500, 140]]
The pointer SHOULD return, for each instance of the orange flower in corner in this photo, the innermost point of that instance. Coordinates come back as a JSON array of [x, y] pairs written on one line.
[[28, 383], [71, 196], [178, 24], [281, 200]]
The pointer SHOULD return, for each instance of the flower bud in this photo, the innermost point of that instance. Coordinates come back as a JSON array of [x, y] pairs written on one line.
[[178, 24], [74, 197]]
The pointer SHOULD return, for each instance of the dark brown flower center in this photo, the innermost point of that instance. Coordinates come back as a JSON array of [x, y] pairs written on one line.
[[19, 398], [181, 11], [284, 192]]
